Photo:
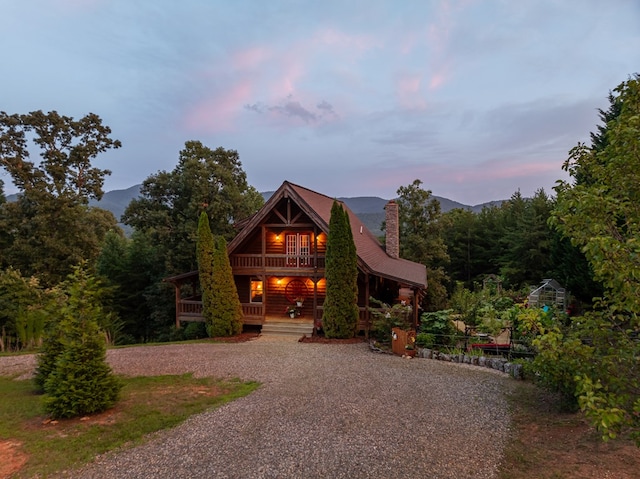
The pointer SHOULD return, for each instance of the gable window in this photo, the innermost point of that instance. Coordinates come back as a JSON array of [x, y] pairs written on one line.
[[298, 250], [256, 290]]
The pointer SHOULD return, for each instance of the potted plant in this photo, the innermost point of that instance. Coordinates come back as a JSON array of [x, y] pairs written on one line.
[[409, 348], [292, 311], [299, 300]]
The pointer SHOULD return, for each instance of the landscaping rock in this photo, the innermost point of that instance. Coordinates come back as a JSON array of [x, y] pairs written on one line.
[[507, 368], [516, 371]]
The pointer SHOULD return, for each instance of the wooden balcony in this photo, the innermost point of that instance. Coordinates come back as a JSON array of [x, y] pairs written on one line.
[[255, 263]]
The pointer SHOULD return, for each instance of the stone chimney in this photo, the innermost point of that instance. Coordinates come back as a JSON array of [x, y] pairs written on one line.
[[392, 226]]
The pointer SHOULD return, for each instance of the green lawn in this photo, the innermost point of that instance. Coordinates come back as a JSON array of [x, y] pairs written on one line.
[[146, 404]]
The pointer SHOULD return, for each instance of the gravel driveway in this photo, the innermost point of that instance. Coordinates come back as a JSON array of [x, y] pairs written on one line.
[[323, 411]]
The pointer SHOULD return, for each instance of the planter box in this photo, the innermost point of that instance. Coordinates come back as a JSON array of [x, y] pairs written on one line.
[[400, 339]]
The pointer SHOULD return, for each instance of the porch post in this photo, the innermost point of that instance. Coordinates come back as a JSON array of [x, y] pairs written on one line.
[[366, 306], [265, 283], [178, 301], [416, 302], [315, 302]]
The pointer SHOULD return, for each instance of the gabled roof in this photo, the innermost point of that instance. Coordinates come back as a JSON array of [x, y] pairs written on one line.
[[372, 257]]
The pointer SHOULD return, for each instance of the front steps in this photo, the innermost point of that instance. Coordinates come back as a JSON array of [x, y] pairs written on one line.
[[287, 327]]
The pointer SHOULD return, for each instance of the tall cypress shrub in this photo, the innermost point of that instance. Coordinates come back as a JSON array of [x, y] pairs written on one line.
[[205, 256], [340, 317], [225, 303]]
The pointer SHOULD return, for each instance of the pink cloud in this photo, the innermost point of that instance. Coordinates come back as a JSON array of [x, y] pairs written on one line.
[[289, 74], [437, 80], [409, 89], [439, 38], [218, 112], [250, 58]]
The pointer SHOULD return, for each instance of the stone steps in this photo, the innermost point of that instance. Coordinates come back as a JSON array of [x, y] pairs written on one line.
[[297, 328]]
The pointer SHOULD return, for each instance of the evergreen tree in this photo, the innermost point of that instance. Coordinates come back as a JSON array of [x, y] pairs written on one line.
[[135, 269], [525, 242], [460, 237], [73, 369], [226, 309], [340, 316], [205, 255]]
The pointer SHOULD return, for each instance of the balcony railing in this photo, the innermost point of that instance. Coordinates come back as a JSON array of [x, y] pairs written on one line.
[[276, 261]]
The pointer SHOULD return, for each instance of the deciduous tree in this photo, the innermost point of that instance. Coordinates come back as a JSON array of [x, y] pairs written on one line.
[[421, 239], [50, 228], [170, 203], [602, 217]]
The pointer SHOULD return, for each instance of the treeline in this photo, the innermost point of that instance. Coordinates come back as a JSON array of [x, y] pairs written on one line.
[[51, 229], [516, 242]]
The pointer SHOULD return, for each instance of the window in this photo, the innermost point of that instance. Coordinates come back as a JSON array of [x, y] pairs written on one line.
[[298, 250], [256, 290]]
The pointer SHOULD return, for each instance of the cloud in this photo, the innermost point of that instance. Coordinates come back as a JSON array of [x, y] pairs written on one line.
[[218, 111], [291, 108]]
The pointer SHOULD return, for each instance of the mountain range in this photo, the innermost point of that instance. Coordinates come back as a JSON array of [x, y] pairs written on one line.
[[370, 209]]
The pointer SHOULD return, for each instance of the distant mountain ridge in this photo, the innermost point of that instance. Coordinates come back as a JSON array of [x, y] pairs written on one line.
[[370, 209]]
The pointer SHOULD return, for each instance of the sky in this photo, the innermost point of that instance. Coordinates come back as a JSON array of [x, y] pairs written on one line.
[[477, 99]]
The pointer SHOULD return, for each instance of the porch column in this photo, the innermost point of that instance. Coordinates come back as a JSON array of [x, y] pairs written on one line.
[[417, 293], [178, 304], [367, 316], [315, 302], [265, 282]]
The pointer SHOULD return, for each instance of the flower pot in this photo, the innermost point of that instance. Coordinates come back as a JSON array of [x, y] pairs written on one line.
[[292, 314], [299, 304]]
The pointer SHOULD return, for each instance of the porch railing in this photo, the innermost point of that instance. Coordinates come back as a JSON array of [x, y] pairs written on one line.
[[190, 308], [276, 261]]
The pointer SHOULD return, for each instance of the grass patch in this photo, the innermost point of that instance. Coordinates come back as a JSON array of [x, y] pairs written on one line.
[[146, 405]]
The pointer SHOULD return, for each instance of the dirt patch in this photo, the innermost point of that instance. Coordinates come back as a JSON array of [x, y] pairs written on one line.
[[549, 444], [13, 458]]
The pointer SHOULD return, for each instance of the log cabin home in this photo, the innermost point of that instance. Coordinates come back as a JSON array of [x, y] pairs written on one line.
[[278, 263]]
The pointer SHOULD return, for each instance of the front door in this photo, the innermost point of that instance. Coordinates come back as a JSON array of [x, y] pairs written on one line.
[[298, 250]]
